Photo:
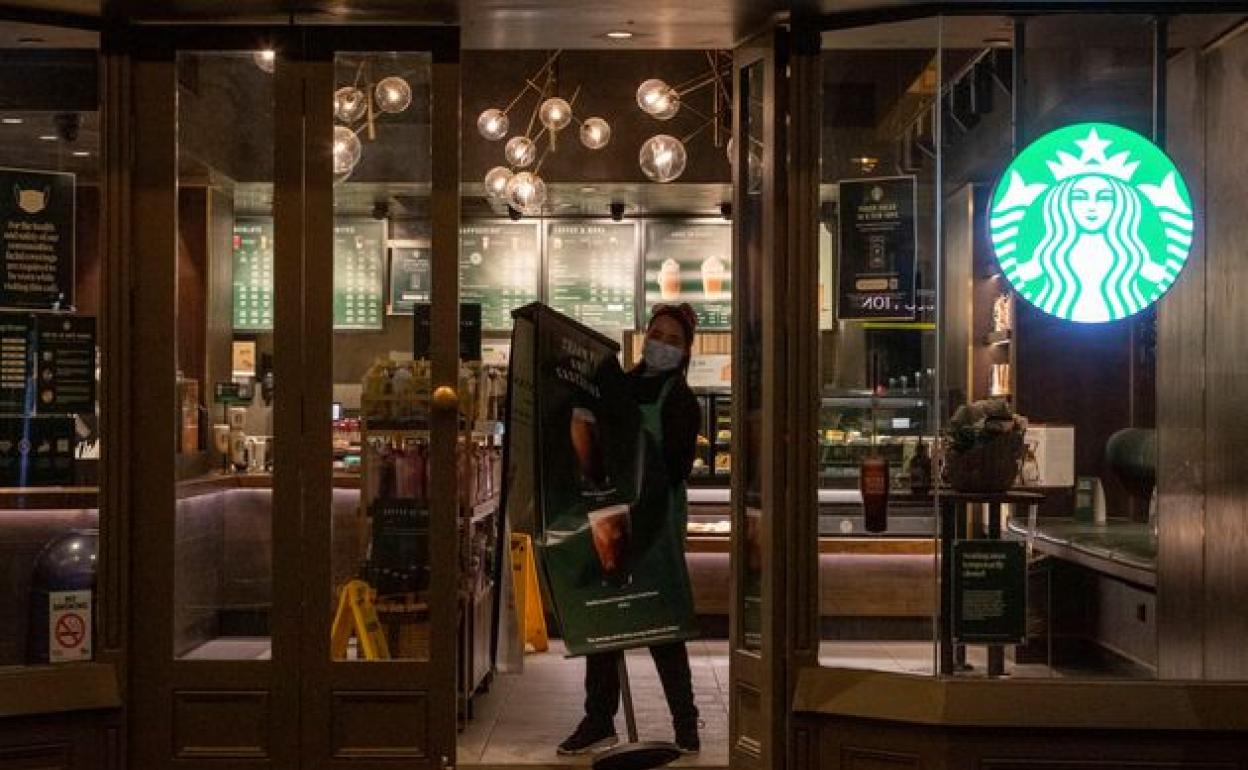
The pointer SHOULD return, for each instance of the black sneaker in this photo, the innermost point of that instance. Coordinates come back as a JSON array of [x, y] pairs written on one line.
[[687, 737], [589, 736]]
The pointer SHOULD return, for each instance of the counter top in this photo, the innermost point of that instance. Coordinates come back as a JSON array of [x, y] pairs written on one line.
[[26, 690], [1019, 702], [1125, 549]]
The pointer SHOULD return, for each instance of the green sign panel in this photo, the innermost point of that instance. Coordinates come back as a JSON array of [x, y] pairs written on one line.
[[253, 274], [989, 592], [359, 274], [691, 262], [1092, 223], [498, 269], [591, 273]]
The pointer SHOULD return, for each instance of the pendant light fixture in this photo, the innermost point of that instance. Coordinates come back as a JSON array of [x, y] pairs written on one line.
[[525, 191], [663, 157]]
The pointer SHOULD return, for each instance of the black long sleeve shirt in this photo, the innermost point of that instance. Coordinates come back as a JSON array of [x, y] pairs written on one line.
[[681, 417]]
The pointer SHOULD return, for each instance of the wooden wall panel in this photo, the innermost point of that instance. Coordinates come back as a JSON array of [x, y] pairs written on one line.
[[1226, 371], [1181, 404], [221, 725], [379, 724]]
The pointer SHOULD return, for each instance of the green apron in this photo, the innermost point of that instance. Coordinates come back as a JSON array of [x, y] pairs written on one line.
[[678, 497]]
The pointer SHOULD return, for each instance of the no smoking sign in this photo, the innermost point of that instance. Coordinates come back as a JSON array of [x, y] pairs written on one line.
[[69, 626]]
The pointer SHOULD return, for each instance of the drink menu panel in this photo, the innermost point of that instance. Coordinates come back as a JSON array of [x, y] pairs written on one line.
[[691, 262], [591, 273], [359, 274], [253, 274], [498, 269]]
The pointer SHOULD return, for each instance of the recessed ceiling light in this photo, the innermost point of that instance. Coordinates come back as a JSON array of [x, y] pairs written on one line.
[[11, 121], [30, 40], [998, 42], [48, 137], [620, 34], [589, 189], [81, 154]]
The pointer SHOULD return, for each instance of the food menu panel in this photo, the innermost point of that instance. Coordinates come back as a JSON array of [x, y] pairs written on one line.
[[359, 274], [691, 262], [65, 369], [253, 274], [15, 362], [591, 273], [498, 269]]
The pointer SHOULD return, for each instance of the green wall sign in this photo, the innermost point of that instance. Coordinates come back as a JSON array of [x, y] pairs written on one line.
[[1092, 223]]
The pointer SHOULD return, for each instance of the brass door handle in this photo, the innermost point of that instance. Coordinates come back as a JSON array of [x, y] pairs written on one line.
[[445, 398]]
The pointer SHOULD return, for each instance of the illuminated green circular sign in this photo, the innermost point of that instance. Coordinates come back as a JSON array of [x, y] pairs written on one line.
[[1091, 223]]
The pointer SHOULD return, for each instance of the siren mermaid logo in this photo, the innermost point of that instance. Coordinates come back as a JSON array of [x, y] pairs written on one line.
[[1092, 223]]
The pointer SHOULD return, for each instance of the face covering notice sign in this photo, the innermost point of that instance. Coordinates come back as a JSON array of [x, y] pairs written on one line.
[[36, 239]]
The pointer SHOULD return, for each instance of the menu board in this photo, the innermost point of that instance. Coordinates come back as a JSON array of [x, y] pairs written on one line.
[[691, 262], [253, 274], [65, 364], [498, 269], [591, 273], [37, 229], [359, 274], [878, 248], [15, 362], [410, 281]]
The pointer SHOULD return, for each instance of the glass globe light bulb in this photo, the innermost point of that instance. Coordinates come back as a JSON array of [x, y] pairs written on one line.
[[595, 133], [350, 104], [520, 151], [527, 192], [393, 94], [347, 150], [658, 100], [555, 113], [496, 180], [265, 59], [663, 158], [493, 124]]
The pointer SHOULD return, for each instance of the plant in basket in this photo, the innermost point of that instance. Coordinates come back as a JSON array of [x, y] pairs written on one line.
[[984, 446]]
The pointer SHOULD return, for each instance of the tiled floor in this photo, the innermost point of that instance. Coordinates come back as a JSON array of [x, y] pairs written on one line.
[[524, 717]]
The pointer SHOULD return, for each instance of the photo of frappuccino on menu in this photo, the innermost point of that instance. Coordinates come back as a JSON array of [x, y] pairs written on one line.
[[714, 273], [669, 280]]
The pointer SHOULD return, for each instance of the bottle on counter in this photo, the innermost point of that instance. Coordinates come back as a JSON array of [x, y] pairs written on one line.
[[873, 484]]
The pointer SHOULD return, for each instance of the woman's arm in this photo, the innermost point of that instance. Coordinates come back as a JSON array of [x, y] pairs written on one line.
[[682, 417]]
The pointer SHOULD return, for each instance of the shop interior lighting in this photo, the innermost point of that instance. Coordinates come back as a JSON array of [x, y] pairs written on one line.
[[47, 137], [265, 59], [525, 191], [11, 121], [620, 34], [663, 157]]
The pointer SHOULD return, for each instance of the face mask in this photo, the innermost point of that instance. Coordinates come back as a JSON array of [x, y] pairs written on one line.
[[661, 356], [31, 201]]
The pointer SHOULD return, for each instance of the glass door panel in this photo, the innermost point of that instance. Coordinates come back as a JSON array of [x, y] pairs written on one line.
[[382, 375], [223, 556]]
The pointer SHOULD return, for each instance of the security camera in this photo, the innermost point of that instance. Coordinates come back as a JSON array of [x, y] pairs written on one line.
[[514, 213], [617, 211], [725, 210], [67, 125], [381, 210]]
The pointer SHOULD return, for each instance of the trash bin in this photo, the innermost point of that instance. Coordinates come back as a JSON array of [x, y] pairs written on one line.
[[62, 599]]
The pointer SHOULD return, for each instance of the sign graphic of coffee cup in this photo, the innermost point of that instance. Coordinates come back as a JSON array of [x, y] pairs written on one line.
[[611, 528], [587, 447], [1092, 223]]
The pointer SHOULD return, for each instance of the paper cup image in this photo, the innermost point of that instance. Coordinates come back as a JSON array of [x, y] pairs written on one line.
[[669, 280], [611, 528], [713, 276]]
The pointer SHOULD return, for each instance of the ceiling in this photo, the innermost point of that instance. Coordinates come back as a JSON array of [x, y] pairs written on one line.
[[512, 24]]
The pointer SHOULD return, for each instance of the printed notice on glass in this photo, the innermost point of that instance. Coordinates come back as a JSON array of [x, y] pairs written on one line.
[[15, 363], [359, 278], [253, 274], [989, 592], [498, 269], [691, 262], [37, 225], [65, 364], [878, 249], [591, 273], [409, 278]]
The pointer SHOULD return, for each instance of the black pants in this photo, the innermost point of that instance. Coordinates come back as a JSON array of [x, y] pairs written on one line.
[[602, 683]]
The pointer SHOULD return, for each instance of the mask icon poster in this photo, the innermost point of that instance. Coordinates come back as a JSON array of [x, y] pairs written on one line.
[[37, 221], [604, 530]]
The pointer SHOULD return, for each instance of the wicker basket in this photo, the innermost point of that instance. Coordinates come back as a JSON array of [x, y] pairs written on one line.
[[989, 467]]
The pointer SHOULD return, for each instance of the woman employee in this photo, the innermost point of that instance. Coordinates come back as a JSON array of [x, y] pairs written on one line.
[[670, 415]]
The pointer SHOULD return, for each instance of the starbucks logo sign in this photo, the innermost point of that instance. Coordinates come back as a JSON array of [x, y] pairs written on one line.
[[1092, 223]]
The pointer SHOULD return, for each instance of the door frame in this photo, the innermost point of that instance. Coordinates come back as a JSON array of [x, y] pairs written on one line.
[[291, 693]]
